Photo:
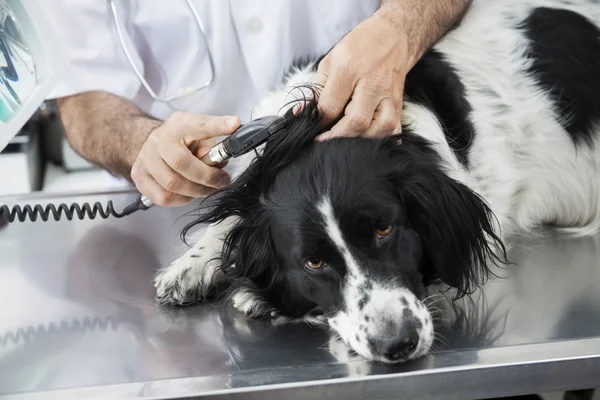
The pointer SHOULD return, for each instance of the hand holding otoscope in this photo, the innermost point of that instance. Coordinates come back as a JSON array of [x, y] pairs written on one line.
[[248, 137]]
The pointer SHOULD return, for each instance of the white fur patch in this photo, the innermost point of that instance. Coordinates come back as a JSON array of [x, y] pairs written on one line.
[[335, 234], [190, 277], [295, 88]]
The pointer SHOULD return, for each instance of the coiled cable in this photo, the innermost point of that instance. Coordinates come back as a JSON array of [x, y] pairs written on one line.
[[56, 213], [81, 211]]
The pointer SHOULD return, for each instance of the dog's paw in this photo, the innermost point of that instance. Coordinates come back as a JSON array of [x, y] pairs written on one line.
[[342, 352], [187, 280], [249, 302]]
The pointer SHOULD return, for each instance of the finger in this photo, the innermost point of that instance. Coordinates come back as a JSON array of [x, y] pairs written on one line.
[[181, 160], [309, 94], [385, 121], [173, 182], [201, 147], [398, 129], [158, 195], [358, 115], [398, 98], [335, 96], [200, 127], [320, 79]]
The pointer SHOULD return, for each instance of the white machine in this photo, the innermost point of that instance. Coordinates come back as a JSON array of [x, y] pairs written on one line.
[[32, 58]]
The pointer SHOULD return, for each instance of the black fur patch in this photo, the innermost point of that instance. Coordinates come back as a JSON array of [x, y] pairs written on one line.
[[404, 302], [565, 48], [363, 301], [352, 353], [418, 324], [433, 83]]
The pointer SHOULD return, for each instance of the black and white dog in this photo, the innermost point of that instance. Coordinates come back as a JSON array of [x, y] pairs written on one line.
[[501, 135]]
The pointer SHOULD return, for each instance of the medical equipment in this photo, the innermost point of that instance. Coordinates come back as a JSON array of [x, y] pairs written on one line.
[[248, 137], [182, 92], [32, 59]]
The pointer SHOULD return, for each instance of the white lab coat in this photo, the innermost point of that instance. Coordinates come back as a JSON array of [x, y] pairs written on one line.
[[252, 43]]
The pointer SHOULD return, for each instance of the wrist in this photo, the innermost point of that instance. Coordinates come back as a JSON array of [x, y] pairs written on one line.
[[420, 23], [399, 23], [390, 20], [141, 128]]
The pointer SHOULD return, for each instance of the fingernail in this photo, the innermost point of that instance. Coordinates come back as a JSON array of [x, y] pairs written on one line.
[[298, 109], [223, 181], [232, 122], [324, 137]]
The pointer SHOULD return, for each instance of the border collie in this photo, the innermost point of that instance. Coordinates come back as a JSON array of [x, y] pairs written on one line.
[[501, 136]]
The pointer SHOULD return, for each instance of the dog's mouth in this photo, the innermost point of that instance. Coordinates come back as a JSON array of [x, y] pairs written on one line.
[[390, 350], [392, 327]]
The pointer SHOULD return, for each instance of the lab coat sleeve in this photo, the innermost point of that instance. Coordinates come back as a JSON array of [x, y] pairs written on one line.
[[97, 60]]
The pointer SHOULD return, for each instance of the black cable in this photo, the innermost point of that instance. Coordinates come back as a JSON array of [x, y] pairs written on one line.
[[27, 212]]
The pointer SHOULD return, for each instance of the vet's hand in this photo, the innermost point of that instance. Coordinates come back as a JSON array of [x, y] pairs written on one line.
[[363, 78], [168, 169]]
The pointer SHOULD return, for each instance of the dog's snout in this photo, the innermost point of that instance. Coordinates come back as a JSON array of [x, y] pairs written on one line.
[[399, 347]]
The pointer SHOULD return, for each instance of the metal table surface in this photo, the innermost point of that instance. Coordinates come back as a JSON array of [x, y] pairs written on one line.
[[78, 320]]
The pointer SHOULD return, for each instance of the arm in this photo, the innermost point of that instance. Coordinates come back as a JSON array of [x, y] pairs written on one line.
[[105, 129], [423, 22], [160, 157], [363, 75]]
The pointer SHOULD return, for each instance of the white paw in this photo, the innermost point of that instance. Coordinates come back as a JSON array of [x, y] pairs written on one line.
[[341, 351], [247, 301], [187, 280]]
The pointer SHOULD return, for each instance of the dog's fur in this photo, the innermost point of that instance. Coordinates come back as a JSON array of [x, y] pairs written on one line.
[[501, 135]]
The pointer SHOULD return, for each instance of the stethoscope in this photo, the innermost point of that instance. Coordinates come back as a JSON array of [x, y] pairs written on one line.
[[182, 92]]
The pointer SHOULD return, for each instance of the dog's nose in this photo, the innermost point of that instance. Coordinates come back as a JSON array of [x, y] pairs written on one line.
[[400, 347]]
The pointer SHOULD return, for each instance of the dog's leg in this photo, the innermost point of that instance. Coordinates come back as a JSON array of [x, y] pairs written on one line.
[[190, 278]]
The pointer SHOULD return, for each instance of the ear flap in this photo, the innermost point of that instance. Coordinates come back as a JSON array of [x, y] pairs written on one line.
[[249, 254], [241, 198], [456, 226]]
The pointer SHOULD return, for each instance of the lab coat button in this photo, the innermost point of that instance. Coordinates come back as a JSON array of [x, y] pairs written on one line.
[[254, 25]]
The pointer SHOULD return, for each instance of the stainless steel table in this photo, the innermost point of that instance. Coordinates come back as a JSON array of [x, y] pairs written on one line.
[[78, 320]]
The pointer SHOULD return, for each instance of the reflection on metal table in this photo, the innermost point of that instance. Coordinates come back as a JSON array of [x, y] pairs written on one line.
[[79, 320]]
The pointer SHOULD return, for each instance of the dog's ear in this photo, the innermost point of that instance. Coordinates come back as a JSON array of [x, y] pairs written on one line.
[[249, 253], [455, 224], [242, 197], [252, 271]]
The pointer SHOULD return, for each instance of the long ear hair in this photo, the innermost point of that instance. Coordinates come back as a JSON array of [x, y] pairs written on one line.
[[248, 244], [455, 224]]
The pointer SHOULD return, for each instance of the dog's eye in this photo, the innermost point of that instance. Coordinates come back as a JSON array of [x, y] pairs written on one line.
[[314, 264], [384, 230]]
